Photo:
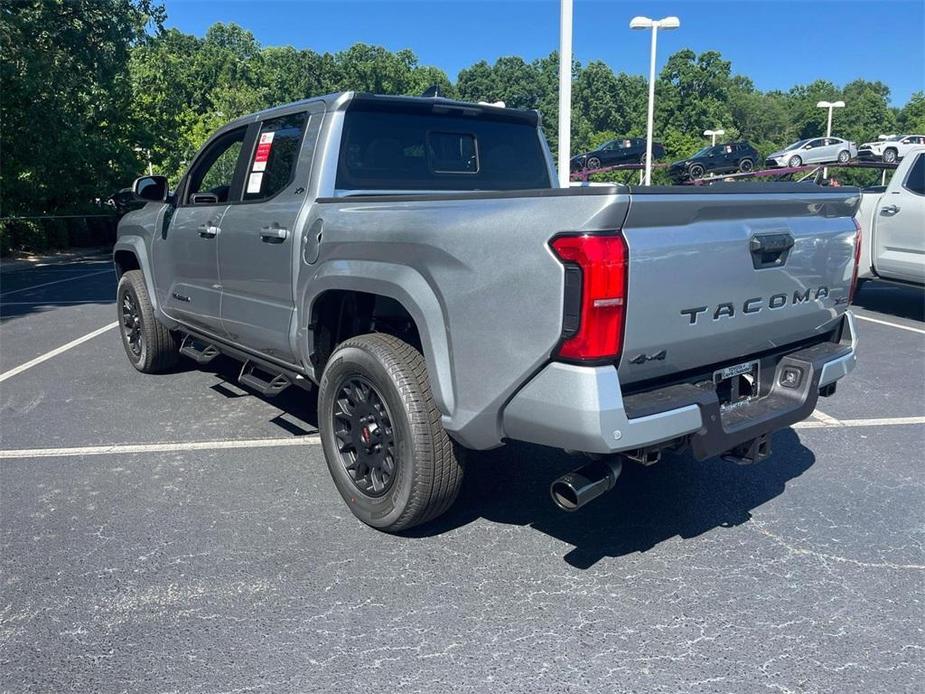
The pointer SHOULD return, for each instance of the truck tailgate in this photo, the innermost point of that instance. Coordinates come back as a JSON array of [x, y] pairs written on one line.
[[717, 274]]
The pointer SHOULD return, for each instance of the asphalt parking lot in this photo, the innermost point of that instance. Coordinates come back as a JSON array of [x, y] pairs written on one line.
[[177, 534]]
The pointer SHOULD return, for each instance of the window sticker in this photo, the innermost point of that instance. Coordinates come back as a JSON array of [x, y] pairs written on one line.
[[263, 153], [255, 181]]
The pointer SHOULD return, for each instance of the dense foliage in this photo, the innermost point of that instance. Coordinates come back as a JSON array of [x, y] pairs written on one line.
[[92, 90]]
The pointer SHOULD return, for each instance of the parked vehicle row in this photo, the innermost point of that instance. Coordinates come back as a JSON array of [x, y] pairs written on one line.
[[732, 157]]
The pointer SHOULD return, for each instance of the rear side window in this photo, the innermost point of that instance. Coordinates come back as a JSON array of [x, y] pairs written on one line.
[[275, 156], [392, 150], [915, 180]]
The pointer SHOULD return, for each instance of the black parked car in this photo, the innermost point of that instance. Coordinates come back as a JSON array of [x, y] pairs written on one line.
[[628, 150], [729, 157]]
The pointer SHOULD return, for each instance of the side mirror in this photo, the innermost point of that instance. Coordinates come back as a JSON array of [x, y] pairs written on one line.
[[152, 188]]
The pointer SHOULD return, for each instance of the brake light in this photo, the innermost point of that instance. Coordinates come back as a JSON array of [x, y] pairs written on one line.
[[857, 260], [602, 261]]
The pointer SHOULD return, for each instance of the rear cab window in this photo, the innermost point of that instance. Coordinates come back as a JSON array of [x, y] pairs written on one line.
[[395, 146], [273, 162]]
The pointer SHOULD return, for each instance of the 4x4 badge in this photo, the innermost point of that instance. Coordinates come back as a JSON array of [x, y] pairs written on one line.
[[643, 358]]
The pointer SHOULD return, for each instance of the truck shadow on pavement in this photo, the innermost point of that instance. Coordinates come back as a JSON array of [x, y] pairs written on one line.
[[891, 300], [649, 505]]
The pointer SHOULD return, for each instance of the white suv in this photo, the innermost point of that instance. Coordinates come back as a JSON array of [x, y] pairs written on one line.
[[890, 149]]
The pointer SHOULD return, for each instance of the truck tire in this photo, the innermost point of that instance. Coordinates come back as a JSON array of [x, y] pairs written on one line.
[[149, 346], [386, 449]]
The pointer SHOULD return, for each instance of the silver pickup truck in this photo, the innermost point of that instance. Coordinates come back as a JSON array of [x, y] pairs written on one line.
[[413, 261]]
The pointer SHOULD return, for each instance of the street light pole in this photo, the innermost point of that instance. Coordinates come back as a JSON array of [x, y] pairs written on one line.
[[655, 25], [565, 91], [831, 105]]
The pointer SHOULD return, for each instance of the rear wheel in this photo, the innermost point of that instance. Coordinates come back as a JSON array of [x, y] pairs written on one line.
[[844, 156], [384, 443], [795, 161], [149, 346], [746, 165]]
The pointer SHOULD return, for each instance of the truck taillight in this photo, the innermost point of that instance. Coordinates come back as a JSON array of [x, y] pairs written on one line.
[[601, 261], [857, 260]]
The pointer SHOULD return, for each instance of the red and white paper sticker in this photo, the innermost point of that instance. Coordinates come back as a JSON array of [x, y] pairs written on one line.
[[263, 152]]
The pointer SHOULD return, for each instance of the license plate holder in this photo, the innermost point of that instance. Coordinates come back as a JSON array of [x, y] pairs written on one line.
[[738, 384]]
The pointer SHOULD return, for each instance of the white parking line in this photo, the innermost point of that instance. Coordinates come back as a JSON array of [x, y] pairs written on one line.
[[315, 440], [55, 352], [47, 284], [839, 423], [55, 302], [920, 331], [823, 417], [312, 440]]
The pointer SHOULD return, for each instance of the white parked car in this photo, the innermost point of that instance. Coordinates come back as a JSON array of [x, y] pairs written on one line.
[[815, 150], [890, 149], [892, 223]]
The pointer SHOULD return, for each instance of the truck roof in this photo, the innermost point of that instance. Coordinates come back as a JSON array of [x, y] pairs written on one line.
[[345, 101]]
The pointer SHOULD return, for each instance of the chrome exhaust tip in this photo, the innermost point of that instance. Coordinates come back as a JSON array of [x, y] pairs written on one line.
[[579, 487]]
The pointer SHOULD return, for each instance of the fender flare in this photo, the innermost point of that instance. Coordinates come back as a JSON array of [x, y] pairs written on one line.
[[136, 246], [409, 288]]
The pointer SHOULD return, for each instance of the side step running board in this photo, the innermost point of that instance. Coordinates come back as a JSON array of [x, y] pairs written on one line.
[[267, 383], [200, 352]]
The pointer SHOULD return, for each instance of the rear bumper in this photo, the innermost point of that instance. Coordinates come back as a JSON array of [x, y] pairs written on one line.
[[582, 408]]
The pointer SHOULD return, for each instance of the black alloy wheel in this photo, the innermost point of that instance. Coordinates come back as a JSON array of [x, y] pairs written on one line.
[[131, 324], [366, 440]]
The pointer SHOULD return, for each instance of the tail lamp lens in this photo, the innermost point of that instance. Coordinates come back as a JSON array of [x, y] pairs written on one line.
[[602, 261], [857, 260]]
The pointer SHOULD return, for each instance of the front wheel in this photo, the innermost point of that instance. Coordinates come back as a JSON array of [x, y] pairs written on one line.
[[593, 163], [795, 161], [384, 443], [149, 346], [696, 171], [889, 156]]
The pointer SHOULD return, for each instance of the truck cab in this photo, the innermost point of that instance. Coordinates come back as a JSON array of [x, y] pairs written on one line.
[[892, 223]]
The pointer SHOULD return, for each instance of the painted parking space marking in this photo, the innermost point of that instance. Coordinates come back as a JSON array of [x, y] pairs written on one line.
[[48, 284], [125, 449], [920, 331], [55, 352], [315, 440], [823, 417], [839, 423]]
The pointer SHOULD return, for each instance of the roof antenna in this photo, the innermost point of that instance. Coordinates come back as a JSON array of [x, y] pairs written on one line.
[[432, 92]]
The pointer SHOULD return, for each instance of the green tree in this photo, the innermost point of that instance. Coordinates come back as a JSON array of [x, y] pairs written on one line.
[[66, 137]]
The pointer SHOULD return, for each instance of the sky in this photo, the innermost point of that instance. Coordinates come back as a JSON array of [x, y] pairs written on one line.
[[777, 43]]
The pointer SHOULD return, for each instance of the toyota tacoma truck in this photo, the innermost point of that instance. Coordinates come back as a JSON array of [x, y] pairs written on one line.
[[892, 220], [412, 261]]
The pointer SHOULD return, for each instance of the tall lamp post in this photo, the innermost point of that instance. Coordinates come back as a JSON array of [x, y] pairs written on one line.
[[654, 25], [831, 105], [565, 91], [712, 134]]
